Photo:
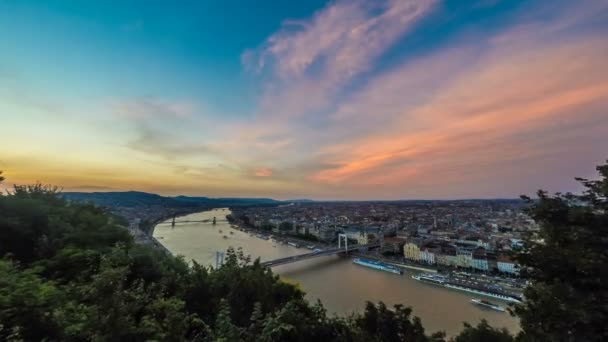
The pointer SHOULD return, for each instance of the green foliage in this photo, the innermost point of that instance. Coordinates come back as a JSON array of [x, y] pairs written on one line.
[[267, 226], [483, 332], [26, 304], [379, 323], [567, 266], [286, 226]]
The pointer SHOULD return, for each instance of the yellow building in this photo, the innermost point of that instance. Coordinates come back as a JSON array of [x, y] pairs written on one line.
[[411, 251], [362, 239]]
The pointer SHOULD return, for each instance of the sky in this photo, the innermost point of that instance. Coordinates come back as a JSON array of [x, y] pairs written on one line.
[[328, 100]]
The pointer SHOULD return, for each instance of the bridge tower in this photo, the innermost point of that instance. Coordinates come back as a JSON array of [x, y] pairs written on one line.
[[345, 237], [219, 259]]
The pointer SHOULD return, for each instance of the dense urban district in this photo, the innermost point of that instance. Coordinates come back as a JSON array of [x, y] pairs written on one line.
[[476, 235]]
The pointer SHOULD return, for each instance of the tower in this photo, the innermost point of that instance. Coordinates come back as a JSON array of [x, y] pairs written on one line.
[[345, 237], [219, 259]]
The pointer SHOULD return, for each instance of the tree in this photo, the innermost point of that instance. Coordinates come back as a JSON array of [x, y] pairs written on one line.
[[379, 323], [25, 303], [483, 332], [286, 226], [567, 266]]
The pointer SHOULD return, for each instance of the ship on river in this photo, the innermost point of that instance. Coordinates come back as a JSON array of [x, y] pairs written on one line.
[[448, 282], [378, 265], [487, 304]]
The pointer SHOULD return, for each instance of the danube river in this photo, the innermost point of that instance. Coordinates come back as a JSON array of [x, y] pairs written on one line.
[[342, 286]]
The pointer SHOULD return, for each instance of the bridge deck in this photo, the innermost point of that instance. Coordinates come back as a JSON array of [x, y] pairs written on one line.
[[295, 258]]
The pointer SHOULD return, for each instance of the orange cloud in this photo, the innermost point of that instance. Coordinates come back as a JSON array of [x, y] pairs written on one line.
[[474, 120], [262, 172]]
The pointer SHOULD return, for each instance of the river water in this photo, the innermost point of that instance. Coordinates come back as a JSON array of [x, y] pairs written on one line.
[[342, 286]]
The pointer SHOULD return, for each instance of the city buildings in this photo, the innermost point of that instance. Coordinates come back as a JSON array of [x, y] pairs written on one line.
[[474, 235]]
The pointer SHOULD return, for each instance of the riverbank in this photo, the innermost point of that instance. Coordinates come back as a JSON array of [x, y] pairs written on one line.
[[146, 228]]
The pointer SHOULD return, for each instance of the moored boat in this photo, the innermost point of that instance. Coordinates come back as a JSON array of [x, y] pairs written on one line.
[[378, 265], [488, 304], [448, 282], [430, 278]]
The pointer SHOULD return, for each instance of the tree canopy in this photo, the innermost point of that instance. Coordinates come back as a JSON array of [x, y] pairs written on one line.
[[567, 265]]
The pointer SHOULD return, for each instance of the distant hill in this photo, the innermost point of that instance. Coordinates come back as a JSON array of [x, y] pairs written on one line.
[[137, 198], [227, 201]]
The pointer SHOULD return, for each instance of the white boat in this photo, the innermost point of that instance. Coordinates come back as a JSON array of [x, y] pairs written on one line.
[[449, 283], [487, 304], [378, 265]]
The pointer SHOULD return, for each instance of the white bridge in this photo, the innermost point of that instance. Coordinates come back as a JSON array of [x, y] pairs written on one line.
[[339, 250]]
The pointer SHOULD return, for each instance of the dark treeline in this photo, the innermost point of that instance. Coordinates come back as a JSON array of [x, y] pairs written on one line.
[[71, 272]]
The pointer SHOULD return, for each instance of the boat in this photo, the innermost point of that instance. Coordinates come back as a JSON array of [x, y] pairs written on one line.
[[445, 281], [487, 304], [293, 244], [484, 291], [430, 278], [378, 265]]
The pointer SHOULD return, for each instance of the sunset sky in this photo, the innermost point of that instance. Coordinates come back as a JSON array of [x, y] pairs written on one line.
[[353, 99]]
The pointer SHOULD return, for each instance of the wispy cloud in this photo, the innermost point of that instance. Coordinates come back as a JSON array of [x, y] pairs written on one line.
[[310, 60], [149, 108], [448, 119], [359, 100]]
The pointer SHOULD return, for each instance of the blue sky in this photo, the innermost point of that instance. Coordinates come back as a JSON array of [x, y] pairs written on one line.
[[344, 99]]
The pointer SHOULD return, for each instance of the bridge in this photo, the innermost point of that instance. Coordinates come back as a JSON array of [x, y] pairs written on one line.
[[306, 256], [173, 221], [295, 258]]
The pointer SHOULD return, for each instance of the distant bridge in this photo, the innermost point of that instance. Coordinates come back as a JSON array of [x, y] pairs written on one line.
[[306, 256], [198, 221], [174, 221]]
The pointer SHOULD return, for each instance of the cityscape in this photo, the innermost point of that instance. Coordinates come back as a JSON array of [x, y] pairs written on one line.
[[475, 235], [312, 170]]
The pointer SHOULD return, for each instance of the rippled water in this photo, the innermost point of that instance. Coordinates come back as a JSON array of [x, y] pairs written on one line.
[[342, 286]]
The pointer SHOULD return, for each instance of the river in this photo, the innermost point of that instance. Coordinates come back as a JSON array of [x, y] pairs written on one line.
[[342, 286]]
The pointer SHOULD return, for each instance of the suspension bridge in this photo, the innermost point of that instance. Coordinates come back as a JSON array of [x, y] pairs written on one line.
[[315, 254]]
